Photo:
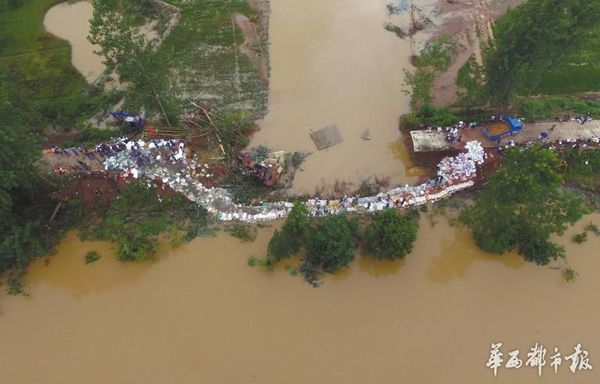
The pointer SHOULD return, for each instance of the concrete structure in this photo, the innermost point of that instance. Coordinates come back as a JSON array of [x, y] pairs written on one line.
[[430, 140]]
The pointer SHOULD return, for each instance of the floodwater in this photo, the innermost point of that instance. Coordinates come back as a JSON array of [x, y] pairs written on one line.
[[332, 62], [70, 21], [200, 315]]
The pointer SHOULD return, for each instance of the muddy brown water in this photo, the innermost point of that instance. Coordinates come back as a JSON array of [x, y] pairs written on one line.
[[70, 21], [332, 62], [200, 315]]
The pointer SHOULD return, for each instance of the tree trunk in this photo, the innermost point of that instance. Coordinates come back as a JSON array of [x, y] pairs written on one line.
[[156, 97]]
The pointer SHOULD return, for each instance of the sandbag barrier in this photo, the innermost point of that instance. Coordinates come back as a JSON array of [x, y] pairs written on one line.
[[164, 161]]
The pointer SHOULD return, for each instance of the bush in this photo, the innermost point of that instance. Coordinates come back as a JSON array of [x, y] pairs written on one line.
[[591, 227], [429, 116], [92, 256], [280, 246], [136, 249], [435, 58], [580, 238], [390, 235], [570, 275], [245, 233]]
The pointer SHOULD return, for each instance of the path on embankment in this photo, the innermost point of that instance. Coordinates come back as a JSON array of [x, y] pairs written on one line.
[[556, 130], [562, 131], [164, 162]]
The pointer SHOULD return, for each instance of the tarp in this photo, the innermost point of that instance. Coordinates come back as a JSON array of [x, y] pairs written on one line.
[[326, 137], [514, 125]]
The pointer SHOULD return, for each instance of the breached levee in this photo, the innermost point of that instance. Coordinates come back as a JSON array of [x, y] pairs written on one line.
[[164, 161]]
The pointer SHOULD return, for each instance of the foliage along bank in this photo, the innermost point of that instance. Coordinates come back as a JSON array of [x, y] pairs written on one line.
[[329, 244]]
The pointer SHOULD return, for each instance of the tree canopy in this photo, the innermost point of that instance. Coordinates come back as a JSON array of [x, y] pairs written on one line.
[[20, 190], [115, 27], [331, 245], [533, 38], [390, 235], [522, 205], [292, 236]]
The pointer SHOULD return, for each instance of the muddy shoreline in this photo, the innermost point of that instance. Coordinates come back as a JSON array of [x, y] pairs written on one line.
[[468, 23]]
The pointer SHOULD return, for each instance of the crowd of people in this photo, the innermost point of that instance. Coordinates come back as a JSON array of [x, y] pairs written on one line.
[[454, 132]]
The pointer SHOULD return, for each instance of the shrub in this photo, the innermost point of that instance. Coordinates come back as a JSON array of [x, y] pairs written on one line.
[[580, 238], [91, 257], [137, 249], [280, 246], [245, 233]]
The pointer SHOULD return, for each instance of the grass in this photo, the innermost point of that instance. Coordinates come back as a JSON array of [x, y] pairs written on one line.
[[581, 72], [549, 107], [202, 59], [582, 168], [39, 67], [434, 59], [90, 137], [138, 215]]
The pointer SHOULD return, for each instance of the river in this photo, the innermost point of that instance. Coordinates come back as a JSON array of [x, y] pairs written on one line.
[[332, 62], [200, 315]]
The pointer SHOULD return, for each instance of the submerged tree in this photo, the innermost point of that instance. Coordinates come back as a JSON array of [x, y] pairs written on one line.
[[522, 205], [331, 245], [292, 236], [534, 38], [390, 235]]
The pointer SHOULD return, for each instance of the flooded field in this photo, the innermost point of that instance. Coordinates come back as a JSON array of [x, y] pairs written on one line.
[[201, 315], [70, 21], [332, 62]]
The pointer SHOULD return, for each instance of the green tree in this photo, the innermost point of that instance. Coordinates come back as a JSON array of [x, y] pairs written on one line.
[[522, 205], [390, 235], [435, 58], [19, 183], [280, 246], [534, 38], [331, 245], [469, 82], [297, 224], [115, 28], [292, 236]]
